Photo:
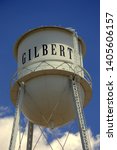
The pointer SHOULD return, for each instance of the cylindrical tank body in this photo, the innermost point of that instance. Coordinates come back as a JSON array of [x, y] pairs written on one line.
[[47, 59]]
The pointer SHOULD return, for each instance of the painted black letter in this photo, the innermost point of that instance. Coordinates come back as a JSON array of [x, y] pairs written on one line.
[[53, 49], [36, 54], [45, 51], [70, 50], [24, 58], [29, 54], [62, 53]]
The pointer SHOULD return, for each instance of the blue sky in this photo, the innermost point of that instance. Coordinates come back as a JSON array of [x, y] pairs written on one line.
[[17, 17]]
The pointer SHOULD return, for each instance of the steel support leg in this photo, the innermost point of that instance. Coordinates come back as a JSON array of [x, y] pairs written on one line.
[[17, 118], [80, 116], [30, 136]]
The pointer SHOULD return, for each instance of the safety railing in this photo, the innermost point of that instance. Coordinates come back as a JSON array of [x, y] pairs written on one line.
[[87, 76], [77, 70]]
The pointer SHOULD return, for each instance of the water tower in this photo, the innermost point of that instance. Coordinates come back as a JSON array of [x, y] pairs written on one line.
[[51, 87]]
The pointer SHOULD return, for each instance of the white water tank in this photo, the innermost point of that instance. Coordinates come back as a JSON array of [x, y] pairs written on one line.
[[47, 58]]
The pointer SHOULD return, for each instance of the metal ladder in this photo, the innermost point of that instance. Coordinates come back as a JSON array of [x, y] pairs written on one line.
[[79, 113]]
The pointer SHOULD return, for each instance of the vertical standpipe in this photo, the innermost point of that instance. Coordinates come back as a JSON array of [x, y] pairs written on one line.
[[30, 136]]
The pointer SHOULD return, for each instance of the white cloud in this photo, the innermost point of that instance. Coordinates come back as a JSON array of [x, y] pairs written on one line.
[[5, 131], [4, 110], [73, 142]]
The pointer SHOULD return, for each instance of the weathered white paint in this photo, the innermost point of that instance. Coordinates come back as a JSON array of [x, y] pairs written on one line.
[[47, 77], [48, 37]]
